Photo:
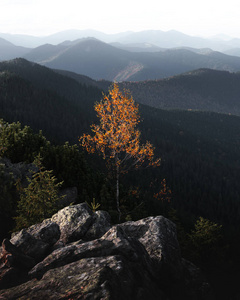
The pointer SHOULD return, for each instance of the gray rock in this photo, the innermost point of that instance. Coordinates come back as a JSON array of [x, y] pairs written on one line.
[[73, 221], [12, 256], [91, 278], [92, 260], [30, 245], [37, 240], [47, 231], [100, 225], [114, 242], [159, 237]]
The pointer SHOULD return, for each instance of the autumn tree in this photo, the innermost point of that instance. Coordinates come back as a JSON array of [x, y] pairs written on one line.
[[117, 138]]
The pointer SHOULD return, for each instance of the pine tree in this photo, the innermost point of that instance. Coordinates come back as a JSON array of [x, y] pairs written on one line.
[[204, 241], [39, 200]]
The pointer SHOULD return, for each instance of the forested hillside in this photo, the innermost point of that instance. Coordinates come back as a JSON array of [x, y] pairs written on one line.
[[200, 151], [45, 100], [200, 160], [203, 89]]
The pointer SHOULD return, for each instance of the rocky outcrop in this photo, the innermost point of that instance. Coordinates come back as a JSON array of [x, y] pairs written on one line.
[[18, 170], [77, 254]]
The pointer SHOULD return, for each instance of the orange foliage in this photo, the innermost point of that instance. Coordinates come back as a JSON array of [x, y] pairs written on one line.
[[165, 193], [116, 137]]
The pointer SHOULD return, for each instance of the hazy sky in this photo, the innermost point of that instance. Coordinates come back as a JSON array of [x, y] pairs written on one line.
[[44, 17]]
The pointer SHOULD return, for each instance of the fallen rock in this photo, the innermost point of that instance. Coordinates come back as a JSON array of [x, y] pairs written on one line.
[[19, 170], [12, 256]]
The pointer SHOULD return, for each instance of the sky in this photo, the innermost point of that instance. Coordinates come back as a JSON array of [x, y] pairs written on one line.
[[44, 17]]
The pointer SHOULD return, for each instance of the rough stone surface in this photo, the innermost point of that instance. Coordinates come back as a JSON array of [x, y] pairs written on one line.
[[94, 260], [101, 224], [37, 239], [159, 238], [47, 231], [101, 278], [74, 221], [114, 242], [19, 170]]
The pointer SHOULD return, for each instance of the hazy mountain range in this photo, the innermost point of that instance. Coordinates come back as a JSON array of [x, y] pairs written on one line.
[[9, 50], [100, 60], [163, 39], [146, 55]]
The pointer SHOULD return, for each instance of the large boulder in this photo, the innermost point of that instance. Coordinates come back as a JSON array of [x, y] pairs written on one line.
[[25, 249], [79, 222], [47, 231], [37, 240], [159, 238], [73, 221]]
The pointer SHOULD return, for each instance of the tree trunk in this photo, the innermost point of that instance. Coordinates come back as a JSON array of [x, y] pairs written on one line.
[[117, 190]]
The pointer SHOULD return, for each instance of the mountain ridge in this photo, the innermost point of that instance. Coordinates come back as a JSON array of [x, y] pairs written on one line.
[[100, 60], [120, 62], [8, 50], [202, 89]]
